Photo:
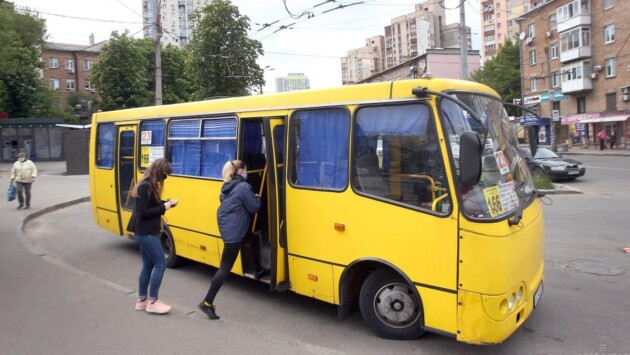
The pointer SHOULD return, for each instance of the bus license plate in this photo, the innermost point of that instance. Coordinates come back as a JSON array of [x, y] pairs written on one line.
[[538, 294]]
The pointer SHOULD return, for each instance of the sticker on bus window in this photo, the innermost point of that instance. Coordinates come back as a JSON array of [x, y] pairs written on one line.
[[149, 154], [501, 162], [145, 137], [493, 199], [509, 198]]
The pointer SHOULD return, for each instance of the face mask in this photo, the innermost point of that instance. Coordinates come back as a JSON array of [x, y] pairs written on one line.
[[21, 160], [244, 176], [431, 147]]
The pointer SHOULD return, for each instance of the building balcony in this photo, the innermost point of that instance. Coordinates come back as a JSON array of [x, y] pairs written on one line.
[[581, 52], [577, 85], [583, 19]]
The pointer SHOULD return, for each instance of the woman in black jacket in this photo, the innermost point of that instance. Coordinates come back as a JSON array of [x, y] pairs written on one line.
[[149, 210], [238, 203]]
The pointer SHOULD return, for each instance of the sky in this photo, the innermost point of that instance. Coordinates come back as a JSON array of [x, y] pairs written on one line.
[[313, 46]]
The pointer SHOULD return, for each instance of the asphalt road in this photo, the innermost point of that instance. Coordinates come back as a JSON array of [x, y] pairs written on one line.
[[583, 309]]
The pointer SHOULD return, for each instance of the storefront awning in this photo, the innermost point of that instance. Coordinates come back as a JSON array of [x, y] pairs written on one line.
[[604, 119]]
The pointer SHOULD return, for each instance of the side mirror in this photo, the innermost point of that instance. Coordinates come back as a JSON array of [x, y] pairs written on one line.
[[470, 149], [532, 135]]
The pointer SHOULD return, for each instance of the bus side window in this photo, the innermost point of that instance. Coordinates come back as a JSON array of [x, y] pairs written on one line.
[[105, 145]]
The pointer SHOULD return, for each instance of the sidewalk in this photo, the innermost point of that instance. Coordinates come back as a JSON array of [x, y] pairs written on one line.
[[591, 150]]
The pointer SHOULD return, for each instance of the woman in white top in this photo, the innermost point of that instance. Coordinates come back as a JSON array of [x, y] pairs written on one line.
[[23, 174]]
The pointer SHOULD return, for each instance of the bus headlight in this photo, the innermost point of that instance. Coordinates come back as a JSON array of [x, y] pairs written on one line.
[[519, 295], [511, 301]]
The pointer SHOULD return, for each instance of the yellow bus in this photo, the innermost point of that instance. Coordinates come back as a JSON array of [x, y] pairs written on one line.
[[406, 200]]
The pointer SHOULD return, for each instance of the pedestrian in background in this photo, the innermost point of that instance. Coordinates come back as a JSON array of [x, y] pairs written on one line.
[[613, 138], [602, 139], [150, 208], [23, 174], [238, 203]]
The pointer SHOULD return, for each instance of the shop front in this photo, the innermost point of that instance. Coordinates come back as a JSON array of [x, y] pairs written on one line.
[[587, 125], [543, 124], [39, 138]]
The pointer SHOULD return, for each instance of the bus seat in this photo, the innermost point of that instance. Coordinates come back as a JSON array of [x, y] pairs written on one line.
[[369, 177]]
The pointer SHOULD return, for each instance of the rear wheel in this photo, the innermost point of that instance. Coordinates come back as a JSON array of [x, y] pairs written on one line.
[[390, 307], [168, 245]]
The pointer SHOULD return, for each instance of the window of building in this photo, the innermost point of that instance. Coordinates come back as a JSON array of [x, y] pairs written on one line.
[[70, 84], [105, 145], [533, 85], [54, 83], [611, 102], [509, 23], [87, 84], [488, 28], [69, 65], [53, 63], [609, 33], [531, 30], [532, 57], [87, 64], [319, 144], [553, 51], [611, 67], [571, 40], [489, 38], [575, 70], [553, 22], [200, 147], [571, 10], [608, 4], [555, 79], [581, 105]]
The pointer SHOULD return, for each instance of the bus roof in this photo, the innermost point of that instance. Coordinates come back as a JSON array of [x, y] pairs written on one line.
[[350, 94]]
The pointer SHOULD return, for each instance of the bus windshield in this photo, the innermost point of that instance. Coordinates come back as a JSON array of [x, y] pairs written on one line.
[[505, 179]]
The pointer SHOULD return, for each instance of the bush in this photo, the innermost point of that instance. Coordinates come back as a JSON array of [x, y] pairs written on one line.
[[542, 183]]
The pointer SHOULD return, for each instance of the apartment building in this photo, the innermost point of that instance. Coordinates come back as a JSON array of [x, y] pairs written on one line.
[[292, 82], [576, 67], [407, 37], [67, 68], [175, 19], [498, 22], [438, 63]]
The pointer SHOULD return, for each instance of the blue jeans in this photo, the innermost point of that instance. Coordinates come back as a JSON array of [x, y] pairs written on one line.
[[153, 266]]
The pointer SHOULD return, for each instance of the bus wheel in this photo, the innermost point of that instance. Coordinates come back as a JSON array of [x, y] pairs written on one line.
[[168, 245], [389, 306]]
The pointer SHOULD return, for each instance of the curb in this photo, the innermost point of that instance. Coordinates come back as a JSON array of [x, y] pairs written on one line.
[[560, 189]]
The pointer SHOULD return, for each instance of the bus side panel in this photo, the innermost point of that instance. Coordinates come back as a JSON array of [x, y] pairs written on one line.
[[107, 220], [312, 278], [440, 309], [104, 198]]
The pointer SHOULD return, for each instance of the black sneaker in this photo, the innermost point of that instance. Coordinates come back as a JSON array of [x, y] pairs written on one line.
[[20, 207], [209, 311], [27, 207]]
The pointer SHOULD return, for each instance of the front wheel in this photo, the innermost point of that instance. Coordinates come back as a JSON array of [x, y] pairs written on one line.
[[390, 307], [168, 246], [538, 172]]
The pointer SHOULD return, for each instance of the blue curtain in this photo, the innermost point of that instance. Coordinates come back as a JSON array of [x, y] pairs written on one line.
[[157, 132], [405, 120], [322, 156], [105, 145]]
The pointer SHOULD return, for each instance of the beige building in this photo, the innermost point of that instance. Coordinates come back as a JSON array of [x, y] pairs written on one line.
[[293, 82], [576, 67], [498, 22], [67, 68], [176, 23], [407, 37]]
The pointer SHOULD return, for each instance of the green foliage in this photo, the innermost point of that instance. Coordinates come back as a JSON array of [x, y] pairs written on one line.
[[223, 57], [177, 83], [22, 91], [123, 73], [503, 73], [542, 183]]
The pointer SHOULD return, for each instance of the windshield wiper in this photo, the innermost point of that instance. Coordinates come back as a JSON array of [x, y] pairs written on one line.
[[518, 214]]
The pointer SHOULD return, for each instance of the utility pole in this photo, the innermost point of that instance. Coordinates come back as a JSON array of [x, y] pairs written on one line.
[[463, 40], [158, 53]]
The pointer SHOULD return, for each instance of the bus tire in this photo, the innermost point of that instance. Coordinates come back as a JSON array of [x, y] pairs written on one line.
[[168, 246], [390, 307]]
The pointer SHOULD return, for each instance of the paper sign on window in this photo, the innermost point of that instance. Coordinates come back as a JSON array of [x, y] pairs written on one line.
[[145, 137], [501, 162]]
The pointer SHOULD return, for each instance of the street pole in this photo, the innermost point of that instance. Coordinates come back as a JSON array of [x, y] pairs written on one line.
[[158, 54], [463, 40]]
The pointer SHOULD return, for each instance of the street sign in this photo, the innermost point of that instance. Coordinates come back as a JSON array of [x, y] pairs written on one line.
[[517, 101], [555, 115]]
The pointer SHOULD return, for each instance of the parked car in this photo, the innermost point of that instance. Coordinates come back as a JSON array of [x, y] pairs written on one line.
[[548, 163]]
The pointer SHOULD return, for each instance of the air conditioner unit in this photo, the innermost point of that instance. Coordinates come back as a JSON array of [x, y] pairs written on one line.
[[625, 90], [593, 76], [548, 34], [528, 40], [624, 97]]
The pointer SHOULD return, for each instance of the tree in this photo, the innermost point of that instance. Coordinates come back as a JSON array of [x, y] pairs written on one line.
[[22, 91], [123, 74], [223, 57], [177, 84], [503, 73]]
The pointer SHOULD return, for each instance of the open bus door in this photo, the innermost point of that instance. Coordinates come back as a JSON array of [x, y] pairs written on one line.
[[125, 173], [275, 131]]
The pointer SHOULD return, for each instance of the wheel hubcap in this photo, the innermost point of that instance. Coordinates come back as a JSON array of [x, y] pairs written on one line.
[[396, 305]]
